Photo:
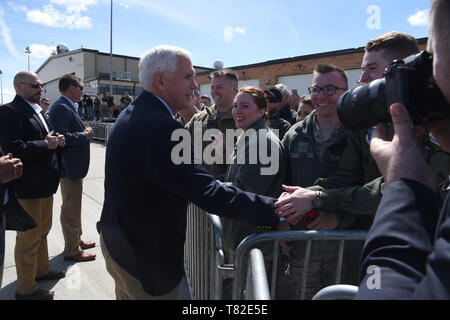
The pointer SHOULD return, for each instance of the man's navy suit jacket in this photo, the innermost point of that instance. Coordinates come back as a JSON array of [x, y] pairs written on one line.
[[143, 222], [22, 134], [76, 153], [409, 242]]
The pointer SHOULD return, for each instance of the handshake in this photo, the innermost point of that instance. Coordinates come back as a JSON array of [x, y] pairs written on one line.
[[296, 204]]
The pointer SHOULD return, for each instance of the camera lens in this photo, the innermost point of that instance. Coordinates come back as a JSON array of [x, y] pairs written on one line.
[[364, 106]]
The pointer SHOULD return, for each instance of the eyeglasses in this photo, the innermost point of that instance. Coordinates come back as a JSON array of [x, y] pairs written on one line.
[[328, 90], [81, 87], [34, 84]]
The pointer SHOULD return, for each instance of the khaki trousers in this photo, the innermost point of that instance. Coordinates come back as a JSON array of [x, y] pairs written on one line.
[[71, 192], [2, 247], [31, 251], [127, 286]]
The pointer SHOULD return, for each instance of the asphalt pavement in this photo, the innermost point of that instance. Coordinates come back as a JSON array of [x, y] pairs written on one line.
[[84, 280]]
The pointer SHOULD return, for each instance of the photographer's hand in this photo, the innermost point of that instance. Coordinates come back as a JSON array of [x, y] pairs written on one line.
[[402, 157]]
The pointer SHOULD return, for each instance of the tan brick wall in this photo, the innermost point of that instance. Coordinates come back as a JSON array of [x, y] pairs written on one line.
[[269, 74]]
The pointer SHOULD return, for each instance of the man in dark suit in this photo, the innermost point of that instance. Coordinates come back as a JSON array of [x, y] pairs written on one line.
[[407, 251], [25, 133], [143, 222], [10, 169], [75, 157]]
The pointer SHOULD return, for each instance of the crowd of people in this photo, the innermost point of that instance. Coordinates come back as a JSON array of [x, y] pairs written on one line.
[[392, 180], [98, 108]]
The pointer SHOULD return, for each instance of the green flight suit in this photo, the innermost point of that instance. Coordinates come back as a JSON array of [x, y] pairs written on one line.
[[354, 191], [305, 165], [248, 177], [210, 118]]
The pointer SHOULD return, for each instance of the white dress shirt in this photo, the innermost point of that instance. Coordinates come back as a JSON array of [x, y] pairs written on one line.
[[38, 111]]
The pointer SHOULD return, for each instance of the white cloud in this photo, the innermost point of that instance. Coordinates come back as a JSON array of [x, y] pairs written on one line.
[[420, 18], [228, 33], [16, 7], [240, 30], [71, 17], [6, 36], [52, 17], [75, 5], [41, 51]]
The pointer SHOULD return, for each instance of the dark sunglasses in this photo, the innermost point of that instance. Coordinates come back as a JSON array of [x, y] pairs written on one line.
[[34, 84], [81, 87]]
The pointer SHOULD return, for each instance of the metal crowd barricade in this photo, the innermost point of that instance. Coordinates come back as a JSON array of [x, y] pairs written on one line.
[[101, 129], [256, 285], [337, 292], [276, 236], [203, 254], [205, 262]]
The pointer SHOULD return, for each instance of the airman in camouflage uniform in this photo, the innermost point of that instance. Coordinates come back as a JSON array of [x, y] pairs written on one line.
[[224, 87], [313, 149]]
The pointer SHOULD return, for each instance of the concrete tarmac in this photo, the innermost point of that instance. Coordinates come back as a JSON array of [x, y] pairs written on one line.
[[84, 280]]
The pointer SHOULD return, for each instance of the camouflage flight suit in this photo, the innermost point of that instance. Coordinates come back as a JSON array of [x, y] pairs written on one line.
[[354, 191], [248, 177], [181, 120], [210, 118], [312, 155]]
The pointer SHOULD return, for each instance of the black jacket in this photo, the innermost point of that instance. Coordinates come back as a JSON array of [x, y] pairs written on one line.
[[143, 222], [16, 217], [409, 243], [22, 134], [288, 114]]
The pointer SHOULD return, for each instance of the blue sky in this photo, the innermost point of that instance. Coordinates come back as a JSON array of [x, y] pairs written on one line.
[[238, 32]]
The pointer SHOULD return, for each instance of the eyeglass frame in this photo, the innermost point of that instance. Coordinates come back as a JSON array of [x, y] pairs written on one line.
[[323, 89], [34, 84], [77, 85]]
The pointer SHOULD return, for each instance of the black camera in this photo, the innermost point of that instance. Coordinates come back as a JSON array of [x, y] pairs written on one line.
[[409, 81]]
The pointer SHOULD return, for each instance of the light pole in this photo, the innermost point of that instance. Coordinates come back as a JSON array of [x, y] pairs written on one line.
[[28, 51], [110, 53]]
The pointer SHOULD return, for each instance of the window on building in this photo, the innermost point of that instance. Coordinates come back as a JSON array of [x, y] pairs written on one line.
[[120, 75], [137, 91]]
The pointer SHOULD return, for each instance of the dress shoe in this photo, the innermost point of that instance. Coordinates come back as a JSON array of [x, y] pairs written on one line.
[[81, 257], [39, 294], [52, 275], [86, 245]]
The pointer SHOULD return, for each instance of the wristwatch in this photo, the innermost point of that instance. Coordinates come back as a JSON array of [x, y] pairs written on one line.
[[318, 202]]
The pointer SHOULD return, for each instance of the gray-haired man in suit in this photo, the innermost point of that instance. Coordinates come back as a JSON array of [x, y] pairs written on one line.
[[74, 165]]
